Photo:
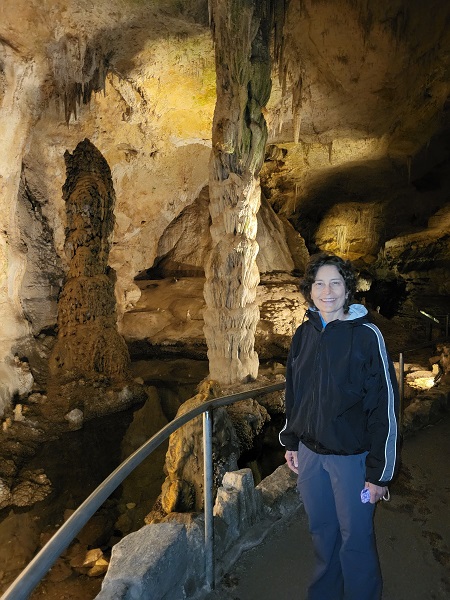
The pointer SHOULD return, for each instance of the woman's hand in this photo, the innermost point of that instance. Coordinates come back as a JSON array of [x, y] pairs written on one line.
[[376, 492], [291, 457]]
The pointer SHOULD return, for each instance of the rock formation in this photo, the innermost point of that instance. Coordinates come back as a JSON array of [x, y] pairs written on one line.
[[241, 33], [182, 490], [356, 153], [89, 364]]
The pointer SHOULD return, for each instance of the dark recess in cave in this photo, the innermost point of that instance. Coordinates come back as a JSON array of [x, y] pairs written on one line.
[[385, 296]]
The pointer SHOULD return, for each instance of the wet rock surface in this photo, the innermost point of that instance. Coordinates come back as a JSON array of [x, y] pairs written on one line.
[[59, 474]]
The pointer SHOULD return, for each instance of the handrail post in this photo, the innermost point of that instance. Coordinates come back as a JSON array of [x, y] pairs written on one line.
[[401, 386], [446, 325], [208, 498]]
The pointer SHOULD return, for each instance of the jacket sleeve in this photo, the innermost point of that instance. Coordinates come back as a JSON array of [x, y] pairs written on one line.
[[382, 406], [287, 437]]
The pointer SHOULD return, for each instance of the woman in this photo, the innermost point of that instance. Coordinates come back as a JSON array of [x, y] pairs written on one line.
[[341, 429]]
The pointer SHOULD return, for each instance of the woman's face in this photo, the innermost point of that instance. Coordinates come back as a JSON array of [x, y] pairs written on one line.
[[328, 292]]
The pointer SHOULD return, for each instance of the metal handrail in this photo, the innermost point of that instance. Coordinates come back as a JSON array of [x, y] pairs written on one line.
[[435, 319], [30, 577]]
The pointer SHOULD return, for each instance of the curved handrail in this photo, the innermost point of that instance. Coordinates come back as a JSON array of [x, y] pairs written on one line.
[[30, 577]]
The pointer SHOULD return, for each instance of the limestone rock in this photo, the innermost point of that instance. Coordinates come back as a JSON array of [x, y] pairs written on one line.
[[161, 546], [444, 358], [75, 418], [15, 378], [89, 347], [22, 531], [274, 403], [422, 258], [92, 556], [279, 492], [184, 246], [183, 488], [240, 522], [344, 143], [34, 487], [99, 568], [44, 271], [238, 504], [5, 494], [426, 408], [248, 418], [168, 319], [353, 229], [89, 562]]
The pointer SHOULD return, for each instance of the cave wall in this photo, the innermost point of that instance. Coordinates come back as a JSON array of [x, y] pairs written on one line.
[[128, 61], [356, 161]]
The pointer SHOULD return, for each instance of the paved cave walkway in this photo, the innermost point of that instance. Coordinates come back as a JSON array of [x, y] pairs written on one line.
[[413, 533]]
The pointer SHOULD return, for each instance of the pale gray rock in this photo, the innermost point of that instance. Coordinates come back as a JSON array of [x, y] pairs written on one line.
[[148, 563], [279, 493], [75, 418], [143, 564], [238, 504]]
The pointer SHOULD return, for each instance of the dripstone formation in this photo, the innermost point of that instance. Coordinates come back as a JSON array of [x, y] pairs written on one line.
[[89, 364]]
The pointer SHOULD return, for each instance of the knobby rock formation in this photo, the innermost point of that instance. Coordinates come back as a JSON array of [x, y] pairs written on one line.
[[241, 30], [89, 364]]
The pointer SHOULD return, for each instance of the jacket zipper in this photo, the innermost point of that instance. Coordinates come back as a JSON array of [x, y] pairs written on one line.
[[318, 369]]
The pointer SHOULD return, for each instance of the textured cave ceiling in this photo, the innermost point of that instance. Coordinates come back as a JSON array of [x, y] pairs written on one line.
[[376, 73]]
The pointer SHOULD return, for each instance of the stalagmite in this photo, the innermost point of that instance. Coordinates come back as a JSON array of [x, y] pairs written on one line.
[[89, 364]]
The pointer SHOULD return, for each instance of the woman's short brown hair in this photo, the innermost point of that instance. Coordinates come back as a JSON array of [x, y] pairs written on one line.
[[344, 267]]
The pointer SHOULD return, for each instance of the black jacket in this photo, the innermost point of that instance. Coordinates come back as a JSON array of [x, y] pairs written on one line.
[[342, 393]]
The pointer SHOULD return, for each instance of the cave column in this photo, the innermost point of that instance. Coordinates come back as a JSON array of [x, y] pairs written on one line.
[[241, 30], [19, 106]]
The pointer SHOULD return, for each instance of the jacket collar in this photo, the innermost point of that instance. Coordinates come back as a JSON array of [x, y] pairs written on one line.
[[356, 311]]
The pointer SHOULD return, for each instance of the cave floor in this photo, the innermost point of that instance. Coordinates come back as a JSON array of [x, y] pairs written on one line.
[[24, 525], [413, 535]]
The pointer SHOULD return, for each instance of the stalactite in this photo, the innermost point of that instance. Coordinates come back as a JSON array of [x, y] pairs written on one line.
[[79, 70]]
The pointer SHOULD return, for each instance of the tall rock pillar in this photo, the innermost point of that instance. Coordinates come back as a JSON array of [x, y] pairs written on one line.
[[89, 364], [241, 31]]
